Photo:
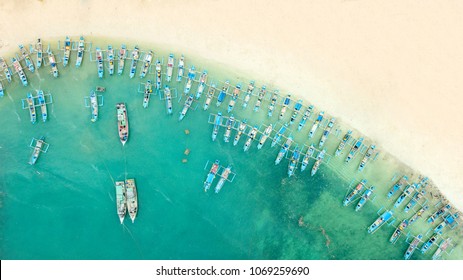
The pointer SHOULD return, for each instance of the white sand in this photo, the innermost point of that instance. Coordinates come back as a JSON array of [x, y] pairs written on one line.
[[391, 69]]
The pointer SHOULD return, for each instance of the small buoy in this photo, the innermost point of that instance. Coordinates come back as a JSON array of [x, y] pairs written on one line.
[[187, 131], [184, 160], [187, 152]]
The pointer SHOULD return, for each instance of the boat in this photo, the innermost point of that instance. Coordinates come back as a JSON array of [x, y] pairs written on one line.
[[249, 91], [277, 137], [264, 136], [367, 157], [286, 102], [187, 105], [451, 219], [417, 215], [386, 216], [397, 186], [241, 130], [181, 68], [223, 178], [261, 96], [217, 123], [122, 122], [354, 149], [158, 74], [343, 142], [429, 243], [80, 51], [308, 155], [121, 200], [251, 136], [318, 162], [67, 51], [94, 105], [147, 93], [210, 95], [135, 57], [39, 50], [416, 197], [293, 162], [27, 59], [99, 60], [223, 93], [297, 108], [234, 97], [43, 105], [273, 103], [352, 195], [31, 105], [132, 199], [229, 124], [284, 149], [111, 60], [122, 57], [18, 68], [364, 198], [440, 227], [211, 176], [170, 67], [190, 78], [444, 209], [326, 133], [6, 69], [146, 64], [316, 124], [1, 90], [37, 150], [441, 249], [52, 61], [100, 89], [398, 231], [202, 84], [409, 190], [305, 117], [168, 97], [413, 246]]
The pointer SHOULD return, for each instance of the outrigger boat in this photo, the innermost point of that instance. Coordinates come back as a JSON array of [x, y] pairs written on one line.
[[398, 231], [146, 64], [439, 213], [1, 90], [190, 79], [147, 94], [286, 102], [168, 97], [318, 162], [248, 94], [202, 84], [441, 249], [6, 69], [133, 66], [293, 162], [27, 59], [306, 115], [367, 157], [277, 137], [440, 227], [223, 178], [397, 186], [297, 108], [386, 216], [67, 51], [121, 200], [39, 50], [187, 105], [326, 133], [37, 150], [241, 130], [343, 142], [217, 123], [122, 122], [19, 70], [170, 67], [181, 68], [94, 105], [122, 57], [308, 155], [99, 59], [43, 105], [416, 197], [211, 176], [428, 244], [284, 149], [354, 149], [229, 125], [31, 104], [223, 93], [273, 103], [251, 136], [364, 198], [52, 61], [417, 215], [413, 246], [235, 95], [158, 74], [316, 124], [264, 136], [261, 95], [111, 60], [210, 95], [351, 196], [80, 51], [409, 190], [132, 199]]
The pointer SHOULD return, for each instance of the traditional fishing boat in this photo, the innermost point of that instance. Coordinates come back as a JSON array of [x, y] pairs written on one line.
[[413, 246], [277, 137], [6, 69], [308, 155], [286, 102], [111, 60], [27, 59], [326, 133], [397, 186], [223, 178], [261, 96], [190, 78], [318, 162], [241, 130], [249, 91], [365, 197], [234, 97], [135, 57], [122, 57], [1, 90], [440, 227], [386, 216], [18, 68], [181, 68], [37, 150], [122, 122], [343, 142], [416, 197], [211, 176], [39, 50], [132, 198], [210, 95], [417, 215], [158, 74], [293, 162], [305, 117], [146, 64], [441, 249], [94, 105], [229, 124], [170, 67], [168, 97], [352, 195], [264, 136], [367, 157], [284, 149], [120, 200], [43, 104], [273, 102], [223, 93], [52, 61], [31, 105], [202, 84], [217, 123], [439, 213], [429, 243], [316, 124], [67, 51], [147, 93], [99, 60], [187, 105], [409, 190], [398, 231], [251, 136], [80, 51], [297, 108], [354, 149]]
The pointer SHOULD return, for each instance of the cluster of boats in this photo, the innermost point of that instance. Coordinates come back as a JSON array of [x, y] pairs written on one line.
[[225, 174], [126, 199]]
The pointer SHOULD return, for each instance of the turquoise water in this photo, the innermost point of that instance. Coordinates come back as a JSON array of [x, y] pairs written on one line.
[[64, 206]]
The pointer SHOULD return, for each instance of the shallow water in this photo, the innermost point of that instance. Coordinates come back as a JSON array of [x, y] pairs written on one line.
[[64, 206]]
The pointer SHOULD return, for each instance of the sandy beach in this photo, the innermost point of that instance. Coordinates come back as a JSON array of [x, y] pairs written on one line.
[[391, 70]]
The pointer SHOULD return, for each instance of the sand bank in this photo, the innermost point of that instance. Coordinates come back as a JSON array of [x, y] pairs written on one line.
[[390, 69]]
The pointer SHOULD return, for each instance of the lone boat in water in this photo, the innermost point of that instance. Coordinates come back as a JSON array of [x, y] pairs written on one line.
[[249, 92], [99, 60], [353, 151], [241, 130], [122, 122], [273, 102], [217, 123], [305, 117], [316, 124], [429, 243], [223, 93], [27, 59], [67, 51], [37, 150], [297, 108], [80, 51], [261, 96], [18, 68], [229, 125], [251, 136], [386, 216], [397, 186], [111, 60], [181, 68], [234, 97], [187, 105], [441, 249], [132, 199], [364, 198], [39, 50], [94, 105], [264, 136], [146, 64], [120, 200], [284, 149], [343, 142], [209, 96], [147, 93], [211, 176], [135, 57], [202, 84], [170, 67], [326, 133], [122, 57], [318, 162], [413, 246], [308, 155], [168, 97], [31, 105], [286, 103], [398, 231], [43, 104], [223, 178], [190, 78], [367, 157], [293, 162], [350, 197]]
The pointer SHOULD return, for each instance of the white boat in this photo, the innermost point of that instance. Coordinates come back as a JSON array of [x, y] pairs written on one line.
[[39, 50], [251, 136], [317, 163], [43, 105], [190, 79], [146, 64], [367, 157], [241, 129], [131, 198], [223, 178], [284, 149], [94, 105], [37, 150], [111, 60], [305, 117], [248, 94], [6, 69], [122, 56], [265, 136], [18, 69], [52, 61], [308, 155], [286, 103], [147, 93], [67, 51], [133, 66], [99, 60], [122, 123], [326, 133], [120, 200], [168, 97], [158, 74], [316, 124], [234, 97], [260, 97], [80, 51], [343, 142], [210, 95], [229, 125], [187, 105], [31, 105], [181, 68], [27, 59], [202, 84], [273, 103], [170, 67]]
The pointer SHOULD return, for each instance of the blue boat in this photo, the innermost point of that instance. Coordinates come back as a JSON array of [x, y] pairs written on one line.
[[397, 186], [386, 216], [429, 243], [286, 103], [27, 59], [31, 106], [273, 102], [293, 162], [260, 97], [308, 155], [18, 68], [306, 116], [190, 79], [133, 66], [251, 136], [202, 84], [37, 150], [1, 90], [80, 51], [316, 124], [416, 197], [284, 149], [67, 51], [42, 104], [211, 176], [406, 193], [217, 123], [354, 149], [223, 93], [99, 60], [234, 97], [439, 213], [413, 246], [326, 133], [356, 191], [318, 162], [277, 137], [249, 92], [364, 198], [297, 108], [147, 93]]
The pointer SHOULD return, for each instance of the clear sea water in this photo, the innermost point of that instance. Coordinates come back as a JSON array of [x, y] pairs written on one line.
[[64, 206]]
